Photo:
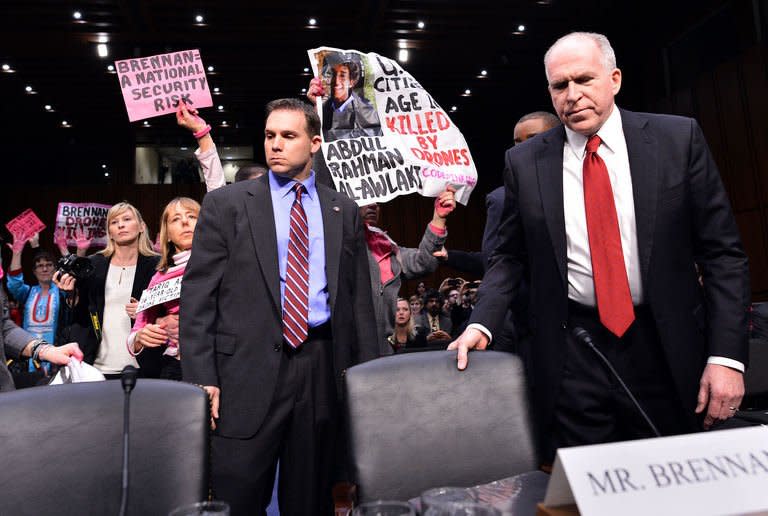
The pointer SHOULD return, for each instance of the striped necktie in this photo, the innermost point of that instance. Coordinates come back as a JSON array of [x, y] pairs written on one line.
[[296, 294]]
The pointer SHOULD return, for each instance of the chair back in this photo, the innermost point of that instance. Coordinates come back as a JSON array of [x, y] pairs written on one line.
[[416, 422], [61, 448]]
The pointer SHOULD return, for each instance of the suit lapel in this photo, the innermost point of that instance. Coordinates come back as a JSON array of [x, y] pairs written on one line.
[[333, 229], [642, 149], [261, 219], [549, 170]]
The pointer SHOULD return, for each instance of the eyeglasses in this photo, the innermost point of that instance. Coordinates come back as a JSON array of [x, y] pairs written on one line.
[[44, 266]]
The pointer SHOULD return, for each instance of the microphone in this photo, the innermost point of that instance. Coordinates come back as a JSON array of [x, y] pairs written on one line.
[[128, 381], [584, 337]]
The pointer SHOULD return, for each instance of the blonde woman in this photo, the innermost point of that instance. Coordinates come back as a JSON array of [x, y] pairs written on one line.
[[406, 334], [177, 227], [104, 304]]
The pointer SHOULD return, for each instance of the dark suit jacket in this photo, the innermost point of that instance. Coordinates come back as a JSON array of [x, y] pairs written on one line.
[[91, 301], [231, 319], [682, 217], [472, 261]]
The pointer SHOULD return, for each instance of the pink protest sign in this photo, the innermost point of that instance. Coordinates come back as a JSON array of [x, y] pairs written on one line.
[[152, 86], [27, 224], [89, 218]]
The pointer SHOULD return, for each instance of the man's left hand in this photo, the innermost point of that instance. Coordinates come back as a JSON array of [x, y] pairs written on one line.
[[720, 391]]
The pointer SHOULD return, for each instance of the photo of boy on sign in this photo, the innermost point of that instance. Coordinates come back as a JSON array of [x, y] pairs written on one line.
[[346, 112]]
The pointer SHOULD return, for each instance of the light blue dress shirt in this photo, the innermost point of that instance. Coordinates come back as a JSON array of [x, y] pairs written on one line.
[[282, 200]]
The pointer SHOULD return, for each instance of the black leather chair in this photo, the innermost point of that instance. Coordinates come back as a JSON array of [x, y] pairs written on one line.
[[416, 422], [756, 376], [61, 448]]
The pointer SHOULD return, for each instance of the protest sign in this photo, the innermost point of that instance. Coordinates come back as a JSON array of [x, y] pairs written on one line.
[[152, 86], [163, 292], [86, 217], [26, 224], [383, 133]]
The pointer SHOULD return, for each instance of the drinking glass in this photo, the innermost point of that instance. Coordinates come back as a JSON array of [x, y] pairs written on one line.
[[384, 508], [440, 495], [461, 509], [212, 508]]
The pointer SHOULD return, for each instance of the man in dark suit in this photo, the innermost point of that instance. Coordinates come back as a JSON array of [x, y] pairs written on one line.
[[607, 217], [275, 305]]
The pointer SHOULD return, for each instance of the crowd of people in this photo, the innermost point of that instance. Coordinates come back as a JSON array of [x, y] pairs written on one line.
[[286, 283]]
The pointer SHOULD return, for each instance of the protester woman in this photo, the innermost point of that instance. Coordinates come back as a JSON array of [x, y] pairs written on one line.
[[104, 303], [177, 227], [406, 334]]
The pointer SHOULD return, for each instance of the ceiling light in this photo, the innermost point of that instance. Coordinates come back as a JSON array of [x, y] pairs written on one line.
[[402, 55], [7, 68], [420, 24], [146, 124], [199, 18], [103, 165], [220, 108], [77, 15], [306, 69], [103, 38], [216, 89], [453, 108], [210, 68], [312, 22], [483, 72], [111, 68], [183, 148], [521, 28], [467, 92], [28, 89], [48, 107], [64, 123], [224, 123], [102, 50], [402, 44], [106, 174]]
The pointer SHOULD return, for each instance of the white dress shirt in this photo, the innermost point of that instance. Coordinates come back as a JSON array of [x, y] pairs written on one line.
[[613, 151]]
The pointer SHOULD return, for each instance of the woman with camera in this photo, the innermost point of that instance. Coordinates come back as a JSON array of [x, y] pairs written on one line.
[[104, 303]]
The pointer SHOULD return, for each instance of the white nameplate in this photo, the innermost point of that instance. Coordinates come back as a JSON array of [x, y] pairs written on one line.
[[720, 472], [163, 292]]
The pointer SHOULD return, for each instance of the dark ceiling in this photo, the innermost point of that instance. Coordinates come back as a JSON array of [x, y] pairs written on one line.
[[259, 49]]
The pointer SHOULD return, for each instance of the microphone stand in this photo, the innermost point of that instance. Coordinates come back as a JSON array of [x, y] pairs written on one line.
[[128, 381], [584, 337]]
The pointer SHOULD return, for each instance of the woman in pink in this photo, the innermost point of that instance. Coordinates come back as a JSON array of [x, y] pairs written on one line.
[[154, 338]]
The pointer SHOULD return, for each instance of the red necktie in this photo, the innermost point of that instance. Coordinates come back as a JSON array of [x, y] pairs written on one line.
[[296, 293], [614, 301]]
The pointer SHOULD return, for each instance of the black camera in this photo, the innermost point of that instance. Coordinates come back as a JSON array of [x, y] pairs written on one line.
[[76, 266]]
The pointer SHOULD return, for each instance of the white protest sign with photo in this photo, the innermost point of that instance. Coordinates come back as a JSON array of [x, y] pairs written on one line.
[[87, 218], [383, 133], [720, 472], [163, 292]]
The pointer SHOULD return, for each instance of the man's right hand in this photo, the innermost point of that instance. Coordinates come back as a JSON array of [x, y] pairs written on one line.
[[213, 398], [471, 339]]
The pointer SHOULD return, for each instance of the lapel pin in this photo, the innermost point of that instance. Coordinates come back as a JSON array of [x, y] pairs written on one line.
[[336, 208]]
